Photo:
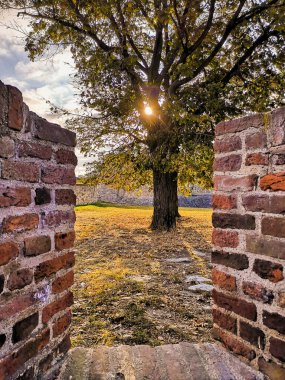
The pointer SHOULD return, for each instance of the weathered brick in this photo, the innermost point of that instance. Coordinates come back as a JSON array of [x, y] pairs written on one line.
[[268, 270], [58, 217], [60, 175], [42, 196], [31, 149], [278, 159], [49, 267], [24, 328], [265, 246], [19, 197], [16, 360], [273, 226], [16, 305], [257, 292], [256, 202], [65, 196], [52, 132], [53, 308], [277, 348], [227, 144], [240, 124], [61, 324], [271, 369], [256, 159], [8, 251], [15, 113], [225, 321], [253, 335], [64, 240], [228, 163], [277, 204], [2, 281], [20, 223], [227, 183], [2, 340], [36, 245], [234, 221], [20, 278], [256, 140], [233, 260], [274, 321], [223, 238], [234, 344], [46, 363], [273, 182], [281, 298], [27, 375], [7, 147], [64, 156], [64, 345], [277, 127], [63, 283], [20, 171], [237, 305], [224, 280], [224, 202]]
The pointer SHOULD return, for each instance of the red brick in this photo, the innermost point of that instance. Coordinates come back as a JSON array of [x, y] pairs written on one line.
[[64, 156], [61, 324], [20, 278], [16, 360], [223, 280], [237, 305], [55, 174], [53, 132], [42, 196], [271, 369], [31, 149], [24, 328], [252, 334], [257, 292], [234, 221], [265, 246], [274, 321], [273, 226], [63, 283], [53, 308], [49, 267], [223, 238], [15, 113], [278, 159], [7, 147], [277, 348], [224, 202], [238, 125], [225, 321], [20, 223], [227, 144], [235, 345], [8, 251], [256, 202], [232, 260], [228, 183], [281, 299], [64, 240], [20, 171], [228, 163], [16, 305], [273, 182], [65, 196], [58, 217], [256, 159], [36, 245], [277, 204], [19, 197], [277, 130], [256, 140], [268, 270]]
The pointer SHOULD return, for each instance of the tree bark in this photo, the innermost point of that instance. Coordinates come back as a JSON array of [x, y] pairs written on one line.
[[165, 200]]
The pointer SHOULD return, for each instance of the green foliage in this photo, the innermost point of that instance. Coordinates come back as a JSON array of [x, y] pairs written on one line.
[[194, 62]]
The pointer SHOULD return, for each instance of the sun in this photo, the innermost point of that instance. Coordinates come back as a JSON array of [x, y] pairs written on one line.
[[148, 110]]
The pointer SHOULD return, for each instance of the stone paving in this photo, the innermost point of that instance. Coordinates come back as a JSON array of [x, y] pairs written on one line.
[[183, 361]]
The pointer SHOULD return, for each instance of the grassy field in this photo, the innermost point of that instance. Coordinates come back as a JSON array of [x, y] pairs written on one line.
[[126, 290]]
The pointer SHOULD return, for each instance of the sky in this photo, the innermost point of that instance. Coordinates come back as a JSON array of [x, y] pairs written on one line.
[[40, 81]]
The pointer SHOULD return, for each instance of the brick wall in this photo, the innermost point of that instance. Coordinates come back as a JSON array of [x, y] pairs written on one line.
[[37, 163], [249, 239]]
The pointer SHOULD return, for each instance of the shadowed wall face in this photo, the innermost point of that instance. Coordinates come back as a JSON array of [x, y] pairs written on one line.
[[37, 164], [249, 239]]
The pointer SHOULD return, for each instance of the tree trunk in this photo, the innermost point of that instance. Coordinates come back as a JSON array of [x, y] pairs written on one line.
[[165, 200]]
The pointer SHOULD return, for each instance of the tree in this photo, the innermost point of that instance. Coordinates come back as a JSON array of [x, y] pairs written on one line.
[[157, 75]]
